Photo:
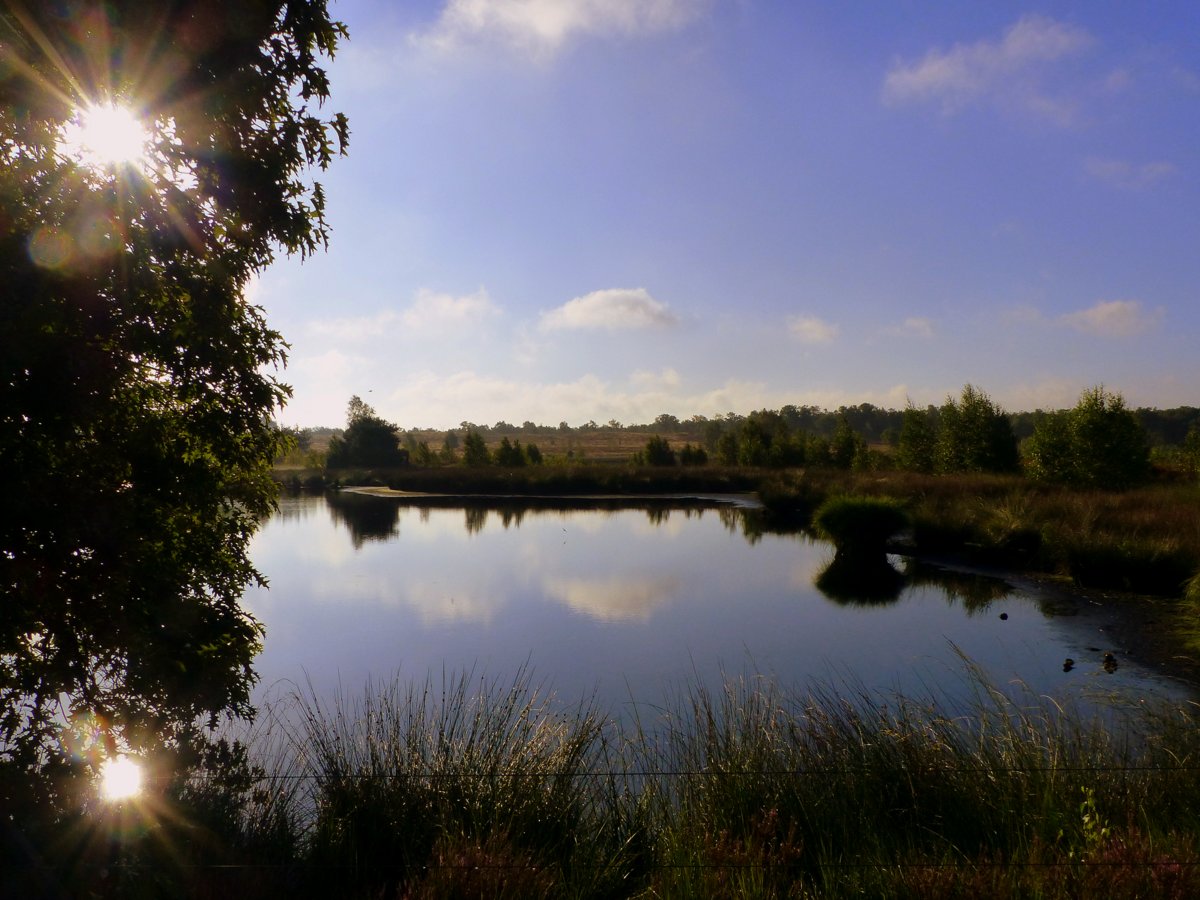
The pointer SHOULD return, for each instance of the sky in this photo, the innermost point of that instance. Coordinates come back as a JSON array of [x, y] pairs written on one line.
[[597, 210]]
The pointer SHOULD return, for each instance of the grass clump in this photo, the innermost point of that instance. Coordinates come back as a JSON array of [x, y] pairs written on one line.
[[473, 787], [860, 525]]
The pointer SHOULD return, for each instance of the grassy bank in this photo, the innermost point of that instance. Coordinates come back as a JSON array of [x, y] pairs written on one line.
[[482, 789], [1142, 541]]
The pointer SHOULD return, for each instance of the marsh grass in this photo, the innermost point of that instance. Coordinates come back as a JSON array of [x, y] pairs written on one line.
[[1145, 540], [859, 525], [832, 795], [472, 784], [476, 787]]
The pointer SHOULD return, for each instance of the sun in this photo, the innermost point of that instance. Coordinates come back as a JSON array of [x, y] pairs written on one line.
[[120, 778], [106, 136]]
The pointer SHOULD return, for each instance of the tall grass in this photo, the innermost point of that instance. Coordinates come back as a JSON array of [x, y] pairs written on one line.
[[827, 795], [484, 788], [416, 788]]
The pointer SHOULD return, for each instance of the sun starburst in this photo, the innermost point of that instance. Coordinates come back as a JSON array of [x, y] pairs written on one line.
[[104, 136]]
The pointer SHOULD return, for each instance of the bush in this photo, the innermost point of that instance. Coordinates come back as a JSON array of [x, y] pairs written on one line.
[[1098, 444], [658, 452], [975, 435], [859, 524]]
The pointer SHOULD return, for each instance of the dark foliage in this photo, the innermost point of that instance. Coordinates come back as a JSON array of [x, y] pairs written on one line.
[[136, 392], [368, 442]]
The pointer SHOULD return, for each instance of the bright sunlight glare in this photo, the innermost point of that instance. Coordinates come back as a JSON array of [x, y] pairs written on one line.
[[120, 778], [106, 135]]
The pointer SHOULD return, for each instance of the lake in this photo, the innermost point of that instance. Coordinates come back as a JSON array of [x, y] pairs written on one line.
[[628, 602]]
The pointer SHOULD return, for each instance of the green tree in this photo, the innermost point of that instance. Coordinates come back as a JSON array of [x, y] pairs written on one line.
[[727, 448], [916, 446], [975, 435], [136, 383], [1050, 451], [368, 441], [691, 455], [475, 451], [1098, 444], [845, 445], [533, 454], [658, 452], [509, 454]]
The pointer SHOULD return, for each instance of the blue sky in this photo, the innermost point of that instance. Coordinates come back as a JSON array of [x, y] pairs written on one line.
[[609, 209]]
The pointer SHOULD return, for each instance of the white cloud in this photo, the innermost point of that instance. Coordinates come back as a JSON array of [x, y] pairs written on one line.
[[1003, 70], [1048, 393], [611, 310], [432, 310], [1113, 318], [1121, 174], [811, 330], [913, 327], [438, 400], [354, 328], [643, 379], [545, 26], [429, 311]]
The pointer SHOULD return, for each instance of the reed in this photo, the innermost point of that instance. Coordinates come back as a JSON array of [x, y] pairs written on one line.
[[477, 787], [426, 789]]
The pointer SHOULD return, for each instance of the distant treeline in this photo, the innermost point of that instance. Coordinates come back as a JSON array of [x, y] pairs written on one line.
[[1099, 443], [876, 425]]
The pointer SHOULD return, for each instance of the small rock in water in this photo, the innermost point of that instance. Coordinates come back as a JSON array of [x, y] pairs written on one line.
[[1110, 663], [1068, 664], [1004, 616]]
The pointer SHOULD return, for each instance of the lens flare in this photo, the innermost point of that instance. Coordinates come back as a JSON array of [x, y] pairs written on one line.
[[120, 778], [106, 136]]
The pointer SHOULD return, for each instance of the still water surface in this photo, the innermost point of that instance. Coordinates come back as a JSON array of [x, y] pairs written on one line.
[[630, 605]]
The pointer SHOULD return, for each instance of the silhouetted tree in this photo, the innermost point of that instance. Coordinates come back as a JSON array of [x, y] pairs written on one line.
[[368, 441], [136, 386]]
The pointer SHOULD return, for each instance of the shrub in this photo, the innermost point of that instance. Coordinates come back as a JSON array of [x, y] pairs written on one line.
[[975, 435], [692, 456], [658, 452], [1098, 444], [859, 524]]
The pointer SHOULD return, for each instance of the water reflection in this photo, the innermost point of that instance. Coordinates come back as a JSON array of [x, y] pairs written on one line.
[[365, 517], [852, 579], [614, 598], [974, 592], [623, 600]]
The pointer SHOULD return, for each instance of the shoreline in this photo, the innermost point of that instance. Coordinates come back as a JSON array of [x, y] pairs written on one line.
[[1137, 627]]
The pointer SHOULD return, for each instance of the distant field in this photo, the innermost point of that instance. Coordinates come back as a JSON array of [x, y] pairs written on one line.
[[598, 446]]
